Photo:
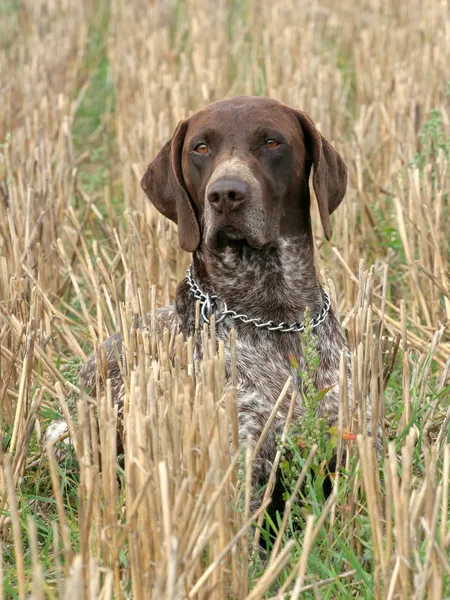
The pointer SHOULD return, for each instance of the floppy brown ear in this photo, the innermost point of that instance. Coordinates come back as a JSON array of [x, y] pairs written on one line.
[[164, 185], [330, 171]]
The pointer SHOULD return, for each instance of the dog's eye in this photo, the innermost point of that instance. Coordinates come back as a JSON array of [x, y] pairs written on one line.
[[270, 143], [201, 148]]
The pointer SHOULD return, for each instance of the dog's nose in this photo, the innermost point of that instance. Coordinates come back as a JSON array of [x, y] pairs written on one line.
[[227, 194]]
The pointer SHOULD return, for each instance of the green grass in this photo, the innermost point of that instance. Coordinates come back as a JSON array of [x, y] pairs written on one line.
[[348, 545], [93, 130], [90, 132]]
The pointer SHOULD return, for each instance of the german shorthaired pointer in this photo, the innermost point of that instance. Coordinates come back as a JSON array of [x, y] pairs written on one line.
[[234, 177]]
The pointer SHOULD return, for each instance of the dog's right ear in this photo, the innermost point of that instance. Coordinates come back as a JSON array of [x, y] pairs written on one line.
[[164, 185]]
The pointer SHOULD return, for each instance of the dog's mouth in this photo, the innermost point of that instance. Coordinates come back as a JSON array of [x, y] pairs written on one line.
[[232, 237], [222, 233], [228, 232]]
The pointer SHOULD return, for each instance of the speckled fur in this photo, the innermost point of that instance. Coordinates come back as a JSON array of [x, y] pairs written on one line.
[[276, 283]]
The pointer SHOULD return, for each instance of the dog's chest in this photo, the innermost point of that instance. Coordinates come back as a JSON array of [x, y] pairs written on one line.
[[262, 361], [275, 286]]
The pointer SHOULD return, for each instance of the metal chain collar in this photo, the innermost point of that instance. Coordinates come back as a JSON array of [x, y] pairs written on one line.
[[208, 306]]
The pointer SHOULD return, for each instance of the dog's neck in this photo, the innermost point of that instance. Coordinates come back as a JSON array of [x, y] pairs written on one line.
[[277, 282]]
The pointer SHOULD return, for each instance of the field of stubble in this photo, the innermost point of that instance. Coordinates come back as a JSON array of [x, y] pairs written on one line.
[[89, 91]]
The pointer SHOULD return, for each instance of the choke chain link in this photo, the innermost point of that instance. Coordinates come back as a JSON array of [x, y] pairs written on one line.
[[208, 305]]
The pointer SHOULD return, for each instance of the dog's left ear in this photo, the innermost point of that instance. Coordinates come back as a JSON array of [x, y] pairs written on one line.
[[330, 172], [164, 185]]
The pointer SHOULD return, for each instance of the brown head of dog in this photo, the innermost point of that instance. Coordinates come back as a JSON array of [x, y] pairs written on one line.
[[239, 170]]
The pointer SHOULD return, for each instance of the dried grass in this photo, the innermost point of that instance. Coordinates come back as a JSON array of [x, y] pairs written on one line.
[[74, 267]]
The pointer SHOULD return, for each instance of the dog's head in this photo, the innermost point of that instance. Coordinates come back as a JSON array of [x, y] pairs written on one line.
[[238, 171]]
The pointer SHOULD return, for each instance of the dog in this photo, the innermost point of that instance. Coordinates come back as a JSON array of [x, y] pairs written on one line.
[[235, 178]]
